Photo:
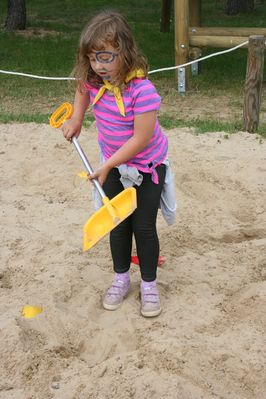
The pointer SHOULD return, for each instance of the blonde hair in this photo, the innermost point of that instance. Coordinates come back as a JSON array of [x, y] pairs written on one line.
[[107, 28]]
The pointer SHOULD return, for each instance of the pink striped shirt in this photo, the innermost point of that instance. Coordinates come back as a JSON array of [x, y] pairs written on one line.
[[114, 130]]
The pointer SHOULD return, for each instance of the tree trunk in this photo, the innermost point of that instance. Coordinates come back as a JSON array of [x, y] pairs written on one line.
[[234, 7], [165, 15], [16, 15]]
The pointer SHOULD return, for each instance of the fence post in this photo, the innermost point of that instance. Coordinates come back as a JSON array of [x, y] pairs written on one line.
[[253, 84], [182, 41], [194, 21], [194, 13]]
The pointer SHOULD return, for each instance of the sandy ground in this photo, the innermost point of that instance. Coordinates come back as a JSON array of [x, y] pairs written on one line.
[[209, 341]]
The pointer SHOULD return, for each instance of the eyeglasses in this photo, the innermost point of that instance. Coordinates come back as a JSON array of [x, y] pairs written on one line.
[[105, 57]]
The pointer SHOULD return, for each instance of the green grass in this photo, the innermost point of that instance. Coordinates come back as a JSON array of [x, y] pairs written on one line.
[[201, 125], [37, 118], [213, 15], [48, 48], [205, 126], [24, 118]]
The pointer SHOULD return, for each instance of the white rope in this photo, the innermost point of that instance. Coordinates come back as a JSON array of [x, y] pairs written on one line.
[[199, 59], [33, 76], [150, 72]]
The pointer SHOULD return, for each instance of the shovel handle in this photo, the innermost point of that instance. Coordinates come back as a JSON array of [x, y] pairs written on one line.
[[59, 116], [87, 165]]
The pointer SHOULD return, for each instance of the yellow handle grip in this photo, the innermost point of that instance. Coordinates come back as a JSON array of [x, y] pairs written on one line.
[[60, 115]]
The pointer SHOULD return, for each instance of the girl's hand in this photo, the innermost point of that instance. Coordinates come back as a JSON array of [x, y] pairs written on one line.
[[71, 127], [100, 173]]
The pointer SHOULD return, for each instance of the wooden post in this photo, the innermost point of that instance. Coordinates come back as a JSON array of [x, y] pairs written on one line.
[[194, 21], [194, 12], [165, 15], [225, 31], [253, 85], [217, 41], [182, 41]]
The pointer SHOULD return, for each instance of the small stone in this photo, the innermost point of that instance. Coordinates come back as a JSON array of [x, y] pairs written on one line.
[[55, 385]]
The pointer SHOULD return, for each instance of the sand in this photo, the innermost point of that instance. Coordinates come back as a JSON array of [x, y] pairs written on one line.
[[209, 341]]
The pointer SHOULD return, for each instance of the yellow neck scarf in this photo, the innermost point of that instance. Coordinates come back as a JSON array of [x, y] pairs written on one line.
[[137, 73]]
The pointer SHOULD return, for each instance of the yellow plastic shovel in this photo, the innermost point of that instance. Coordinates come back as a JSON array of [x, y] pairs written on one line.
[[113, 211]]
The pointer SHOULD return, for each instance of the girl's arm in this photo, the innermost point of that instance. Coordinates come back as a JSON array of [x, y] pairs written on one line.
[[143, 129], [72, 127]]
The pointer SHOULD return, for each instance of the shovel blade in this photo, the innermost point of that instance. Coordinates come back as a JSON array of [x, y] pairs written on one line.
[[103, 221]]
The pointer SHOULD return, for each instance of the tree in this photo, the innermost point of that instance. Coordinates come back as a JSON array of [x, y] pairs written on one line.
[[16, 15], [234, 7], [165, 15]]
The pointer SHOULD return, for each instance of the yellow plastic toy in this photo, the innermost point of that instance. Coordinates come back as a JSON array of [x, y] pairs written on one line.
[[29, 312]]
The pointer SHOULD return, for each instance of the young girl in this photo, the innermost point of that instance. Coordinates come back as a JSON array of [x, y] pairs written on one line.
[[112, 78]]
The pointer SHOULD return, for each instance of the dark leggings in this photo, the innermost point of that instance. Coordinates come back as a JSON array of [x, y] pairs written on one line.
[[142, 223]]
